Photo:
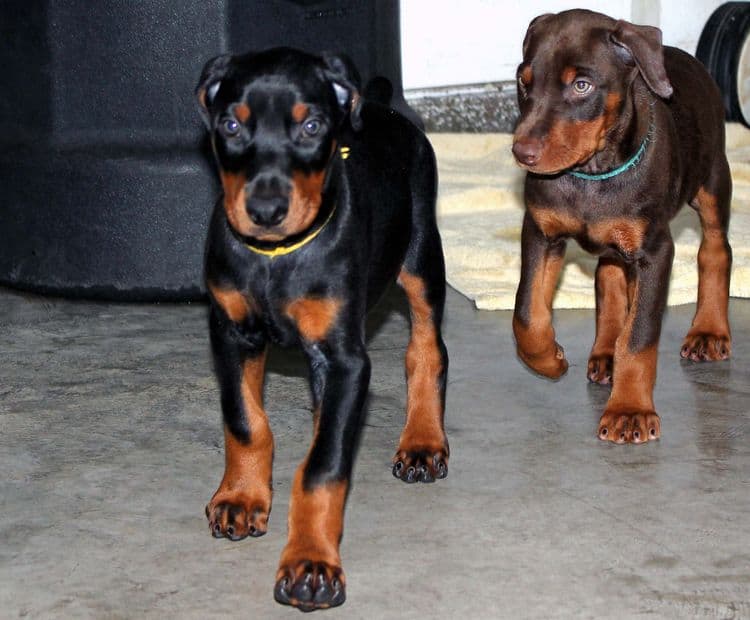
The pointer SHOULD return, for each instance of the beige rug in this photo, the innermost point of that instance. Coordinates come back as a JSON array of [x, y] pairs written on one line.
[[480, 209]]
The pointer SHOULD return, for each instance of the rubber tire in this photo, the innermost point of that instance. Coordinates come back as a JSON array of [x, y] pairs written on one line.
[[720, 47]]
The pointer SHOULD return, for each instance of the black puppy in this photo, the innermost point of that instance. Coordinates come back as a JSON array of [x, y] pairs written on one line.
[[327, 199]]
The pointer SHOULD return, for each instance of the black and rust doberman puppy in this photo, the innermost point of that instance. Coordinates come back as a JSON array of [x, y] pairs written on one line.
[[617, 133], [327, 199]]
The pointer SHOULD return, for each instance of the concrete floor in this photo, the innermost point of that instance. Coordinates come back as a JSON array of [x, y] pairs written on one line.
[[111, 444]]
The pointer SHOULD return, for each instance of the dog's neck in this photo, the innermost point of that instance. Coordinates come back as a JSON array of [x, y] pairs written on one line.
[[627, 140], [324, 216]]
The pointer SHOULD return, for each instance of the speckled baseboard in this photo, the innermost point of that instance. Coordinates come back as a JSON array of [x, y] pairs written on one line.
[[473, 108]]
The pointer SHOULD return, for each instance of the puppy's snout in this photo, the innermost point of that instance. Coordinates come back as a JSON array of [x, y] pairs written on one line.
[[268, 203], [267, 212], [527, 151]]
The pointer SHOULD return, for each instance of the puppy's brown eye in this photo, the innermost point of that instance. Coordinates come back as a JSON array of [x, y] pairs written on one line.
[[229, 127], [582, 87]]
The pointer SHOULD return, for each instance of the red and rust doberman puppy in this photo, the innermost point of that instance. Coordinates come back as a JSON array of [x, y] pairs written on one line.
[[327, 199], [617, 133]]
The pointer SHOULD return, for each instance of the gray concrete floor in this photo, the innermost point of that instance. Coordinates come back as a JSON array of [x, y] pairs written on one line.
[[111, 444]]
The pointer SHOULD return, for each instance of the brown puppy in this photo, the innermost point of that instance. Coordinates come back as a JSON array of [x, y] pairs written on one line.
[[617, 133]]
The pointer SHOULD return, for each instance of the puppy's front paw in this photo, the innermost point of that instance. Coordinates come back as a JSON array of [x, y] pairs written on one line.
[[420, 464], [236, 515], [629, 427], [549, 362], [600, 369], [705, 347], [310, 585]]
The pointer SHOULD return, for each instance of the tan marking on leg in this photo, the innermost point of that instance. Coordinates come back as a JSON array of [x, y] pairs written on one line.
[[423, 431], [236, 305], [535, 342], [709, 337], [635, 376], [611, 314], [629, 416], [246, 487], [311, 555], [316, 523], [314, 317]]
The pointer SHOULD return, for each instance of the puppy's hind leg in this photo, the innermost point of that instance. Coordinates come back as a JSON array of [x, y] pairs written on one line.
[[709, 337], [422, 454]]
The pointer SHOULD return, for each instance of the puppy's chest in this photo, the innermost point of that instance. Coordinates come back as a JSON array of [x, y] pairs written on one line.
[[595, 233], [288, 313]]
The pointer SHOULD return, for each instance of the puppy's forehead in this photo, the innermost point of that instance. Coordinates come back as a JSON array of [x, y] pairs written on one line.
[[282, 90], [576, 50], [576, 33]]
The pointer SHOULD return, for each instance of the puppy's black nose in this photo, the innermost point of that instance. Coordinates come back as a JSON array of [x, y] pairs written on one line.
[[267, 200], [527, 151], [267, 211]]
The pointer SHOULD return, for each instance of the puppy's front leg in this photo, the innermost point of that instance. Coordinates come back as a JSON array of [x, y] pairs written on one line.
[[541, 262], [310, 574], [242, 503], [629, 416]]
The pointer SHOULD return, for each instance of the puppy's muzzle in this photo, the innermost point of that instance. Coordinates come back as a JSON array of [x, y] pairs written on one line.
[[268, 202], [527, 151]]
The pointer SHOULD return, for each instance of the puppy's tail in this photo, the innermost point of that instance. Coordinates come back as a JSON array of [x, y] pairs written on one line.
[[380, 90]]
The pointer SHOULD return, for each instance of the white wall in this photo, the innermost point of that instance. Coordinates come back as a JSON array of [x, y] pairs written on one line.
[[451, 42], [682, 21]]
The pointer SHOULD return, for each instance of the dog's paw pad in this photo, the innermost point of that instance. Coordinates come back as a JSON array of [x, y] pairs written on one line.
[[237, 519], [705, 347], [310, 585], [420, 465], [629, 427], [600, 369]]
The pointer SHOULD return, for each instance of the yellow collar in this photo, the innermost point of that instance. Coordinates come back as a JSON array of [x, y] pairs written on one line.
[[288, 249], [344, 152]]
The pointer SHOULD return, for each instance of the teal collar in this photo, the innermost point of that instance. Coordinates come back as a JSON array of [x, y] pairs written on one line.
[[631, 163]]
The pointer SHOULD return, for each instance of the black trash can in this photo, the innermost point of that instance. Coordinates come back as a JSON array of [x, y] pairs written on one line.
[[107, 186], [724, 48]]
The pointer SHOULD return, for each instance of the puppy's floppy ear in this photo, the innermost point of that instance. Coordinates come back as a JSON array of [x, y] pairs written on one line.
[[209, 83], [536, 22], [340, 71], [641, 45]]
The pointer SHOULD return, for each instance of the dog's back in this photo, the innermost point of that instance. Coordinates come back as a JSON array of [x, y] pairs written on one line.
[[698, 116], [393, 181]]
